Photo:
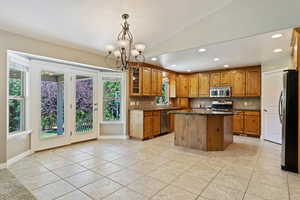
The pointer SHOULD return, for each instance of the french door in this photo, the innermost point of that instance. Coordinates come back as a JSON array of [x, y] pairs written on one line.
[[64, 105]]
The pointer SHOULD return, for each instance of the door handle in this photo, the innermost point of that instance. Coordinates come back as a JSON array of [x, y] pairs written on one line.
[[280, 107]]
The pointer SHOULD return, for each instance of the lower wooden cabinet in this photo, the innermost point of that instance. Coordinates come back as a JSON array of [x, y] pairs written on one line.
[[247, 122], [144, 124]]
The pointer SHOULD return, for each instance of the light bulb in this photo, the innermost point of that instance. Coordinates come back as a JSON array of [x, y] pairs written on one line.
[[134, 52], [117, 53], [140, 47], [123, 43], [109, 48]]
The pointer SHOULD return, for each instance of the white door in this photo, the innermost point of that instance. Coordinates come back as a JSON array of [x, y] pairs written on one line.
[[84, 106], [272, 86], [64, 105]]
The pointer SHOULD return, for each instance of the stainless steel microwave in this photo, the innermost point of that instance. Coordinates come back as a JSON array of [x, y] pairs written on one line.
[[220, 92]]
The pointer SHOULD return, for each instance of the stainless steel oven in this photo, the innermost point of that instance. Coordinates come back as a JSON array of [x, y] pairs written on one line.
[[220, 92]]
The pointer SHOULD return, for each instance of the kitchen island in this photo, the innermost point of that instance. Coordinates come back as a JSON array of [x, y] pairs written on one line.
[[204, 130]]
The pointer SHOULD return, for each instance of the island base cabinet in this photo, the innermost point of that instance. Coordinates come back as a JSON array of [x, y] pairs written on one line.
[[203, 132]]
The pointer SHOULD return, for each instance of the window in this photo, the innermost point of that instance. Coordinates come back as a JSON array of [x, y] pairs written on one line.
[[17, 97], [111, 99], [164, 99]]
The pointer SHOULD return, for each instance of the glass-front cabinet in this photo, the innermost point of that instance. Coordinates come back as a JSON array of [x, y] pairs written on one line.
[[135, 77]]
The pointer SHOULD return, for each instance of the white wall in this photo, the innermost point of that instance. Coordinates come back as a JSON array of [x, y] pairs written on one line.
[[280, 62], [10, 41]]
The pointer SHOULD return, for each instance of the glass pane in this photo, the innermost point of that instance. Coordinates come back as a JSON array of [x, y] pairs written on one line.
[[52, 104], [112, 100], [16, 115], [84, 104], [15, 82]]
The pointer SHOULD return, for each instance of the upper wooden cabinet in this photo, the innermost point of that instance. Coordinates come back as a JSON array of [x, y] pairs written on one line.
[[226, 78], [238, 78], [172, 85], [147, 80], [193, 85], [182, 84], [215, 79], [203, 85], [159, 83], [253, 82], [135, 81]]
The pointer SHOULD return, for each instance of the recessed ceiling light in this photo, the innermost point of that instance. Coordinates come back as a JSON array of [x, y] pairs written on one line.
[[278, 35], [226, 66], [277, 50], [154, 59], [202, 50], [216, 59], [188, 70], [173, 65]]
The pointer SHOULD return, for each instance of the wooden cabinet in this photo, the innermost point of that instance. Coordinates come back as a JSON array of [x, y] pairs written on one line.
[[238, 83], [159, 83], [252, 123], [238, 122], [147, 80], [182, 102], [156, 123], [147, 124], [246, 122], [253, 82], [193, 85], [135, 81], [203, 85], [215, 79], [226, 78], [182, 84], [154, 86], [144, 124]]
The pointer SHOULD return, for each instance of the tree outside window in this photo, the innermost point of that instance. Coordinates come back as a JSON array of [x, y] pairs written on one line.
[[164, 99], [112, 100], [16, 99]]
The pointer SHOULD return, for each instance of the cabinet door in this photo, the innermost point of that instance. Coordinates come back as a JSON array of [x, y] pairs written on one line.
[[253, 82], [172, 86], [147, 72], [238, 83], [148, 124], [238, 122], [226, 78], [203, 85], [135, 81], [154, 82], [156, 123], [252, 123], [182, 83], [183, 102], [215, 79], [159, 83], [193, 85]]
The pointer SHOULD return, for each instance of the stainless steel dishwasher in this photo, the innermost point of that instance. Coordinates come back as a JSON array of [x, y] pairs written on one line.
[[164, 122]]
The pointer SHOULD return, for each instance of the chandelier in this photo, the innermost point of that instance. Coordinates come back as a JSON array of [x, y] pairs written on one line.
[[125, 48]]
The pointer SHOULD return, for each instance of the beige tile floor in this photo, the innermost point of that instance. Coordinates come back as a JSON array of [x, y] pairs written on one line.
[[155, 169]]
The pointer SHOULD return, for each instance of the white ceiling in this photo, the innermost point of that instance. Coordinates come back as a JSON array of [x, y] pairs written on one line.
[[248, 51], [92, 24]]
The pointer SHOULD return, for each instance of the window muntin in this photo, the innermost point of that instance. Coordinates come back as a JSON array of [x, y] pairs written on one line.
[[17, 98], [112, 99]]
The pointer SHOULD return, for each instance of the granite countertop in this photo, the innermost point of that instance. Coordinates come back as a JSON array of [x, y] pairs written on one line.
[[151, 108], [201, 112]]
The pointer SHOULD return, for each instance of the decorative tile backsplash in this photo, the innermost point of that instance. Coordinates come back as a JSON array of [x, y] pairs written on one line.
[[238, 103]]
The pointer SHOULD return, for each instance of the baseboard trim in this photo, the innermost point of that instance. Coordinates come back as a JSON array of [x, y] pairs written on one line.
[[3, 166], [113, 137], [18, 157]]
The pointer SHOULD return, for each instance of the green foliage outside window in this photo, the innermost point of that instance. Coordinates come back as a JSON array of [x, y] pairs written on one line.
[[16, 101], [111, 100], [164, 99]]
